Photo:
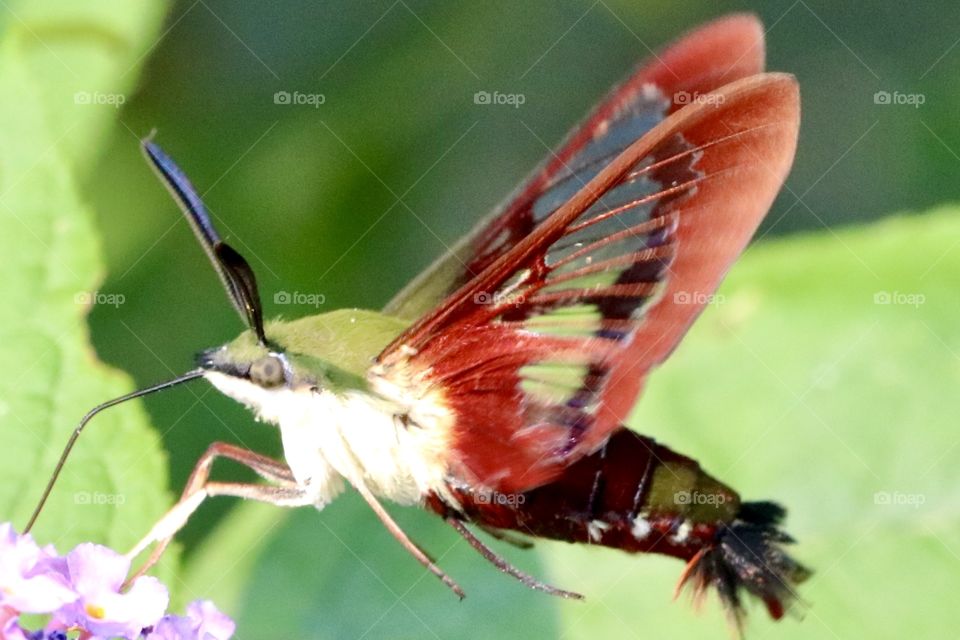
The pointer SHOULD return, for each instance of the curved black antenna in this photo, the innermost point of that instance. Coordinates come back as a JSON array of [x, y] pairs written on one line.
[[192, 375], [235, 272]]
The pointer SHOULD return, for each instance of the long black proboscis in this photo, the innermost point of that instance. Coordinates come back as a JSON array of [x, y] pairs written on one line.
[[235, 273], [192, 375]]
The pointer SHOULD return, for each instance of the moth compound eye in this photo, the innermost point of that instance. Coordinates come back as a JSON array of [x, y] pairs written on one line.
[[267, 372]]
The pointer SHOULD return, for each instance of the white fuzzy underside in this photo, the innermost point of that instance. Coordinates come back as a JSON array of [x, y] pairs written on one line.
[[329, 437]]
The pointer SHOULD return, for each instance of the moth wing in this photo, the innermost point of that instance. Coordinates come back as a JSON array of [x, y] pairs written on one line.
[[705, 59], [541, 356]]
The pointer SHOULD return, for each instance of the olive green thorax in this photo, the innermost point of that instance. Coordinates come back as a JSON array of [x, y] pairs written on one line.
[[334, 348]]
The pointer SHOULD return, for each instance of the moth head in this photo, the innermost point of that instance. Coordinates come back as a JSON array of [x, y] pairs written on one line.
[[314, 352], [247, 359], [266, 364]]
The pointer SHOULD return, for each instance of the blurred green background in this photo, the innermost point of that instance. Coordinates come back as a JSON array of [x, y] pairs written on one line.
[[348, 199]]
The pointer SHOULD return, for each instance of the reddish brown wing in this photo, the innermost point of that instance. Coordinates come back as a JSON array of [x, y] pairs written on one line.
[[596, 269], [720, 52], [542, 355]]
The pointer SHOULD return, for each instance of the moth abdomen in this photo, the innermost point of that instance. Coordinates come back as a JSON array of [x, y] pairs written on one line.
[[639, 496], [632, 494]]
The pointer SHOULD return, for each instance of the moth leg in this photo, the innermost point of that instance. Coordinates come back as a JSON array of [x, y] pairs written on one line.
[[403, 539], [506, 536], [505, 566], [285, 492]]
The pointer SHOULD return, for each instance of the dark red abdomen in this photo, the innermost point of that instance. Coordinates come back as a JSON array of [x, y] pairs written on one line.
[[632, 494]]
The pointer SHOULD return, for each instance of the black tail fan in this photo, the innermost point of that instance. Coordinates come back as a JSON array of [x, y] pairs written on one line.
[[748, 556]]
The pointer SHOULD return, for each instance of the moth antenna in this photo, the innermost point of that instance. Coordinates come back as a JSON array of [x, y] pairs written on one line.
[[235, 272], [192, 375]]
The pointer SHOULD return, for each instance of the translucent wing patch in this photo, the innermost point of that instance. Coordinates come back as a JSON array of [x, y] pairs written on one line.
[[577, 303], [624, 128]]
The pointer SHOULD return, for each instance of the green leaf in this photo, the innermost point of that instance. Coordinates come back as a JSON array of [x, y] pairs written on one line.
[[824, 377], [83, 59], [114, 485]]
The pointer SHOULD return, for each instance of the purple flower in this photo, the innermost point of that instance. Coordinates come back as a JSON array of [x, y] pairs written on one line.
[[45, 634], [27, 583], [96, 574], [9, 629], [82, 592], [202, 622]]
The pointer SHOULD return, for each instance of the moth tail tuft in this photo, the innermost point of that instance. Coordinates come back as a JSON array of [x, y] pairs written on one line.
[[748, 556]]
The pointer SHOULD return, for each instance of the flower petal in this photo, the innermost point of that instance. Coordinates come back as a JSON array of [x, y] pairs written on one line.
[[109, 613], [210, 622], [93, 568], [27, 582]]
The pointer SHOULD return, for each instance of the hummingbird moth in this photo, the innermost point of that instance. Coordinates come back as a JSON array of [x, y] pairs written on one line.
[[492, 390]]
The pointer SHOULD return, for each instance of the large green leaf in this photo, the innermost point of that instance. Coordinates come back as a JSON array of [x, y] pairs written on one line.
[[114, 486], [824, 377], [83, 59]]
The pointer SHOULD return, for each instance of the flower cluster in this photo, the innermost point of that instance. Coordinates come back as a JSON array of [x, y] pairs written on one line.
[[84, 592]]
